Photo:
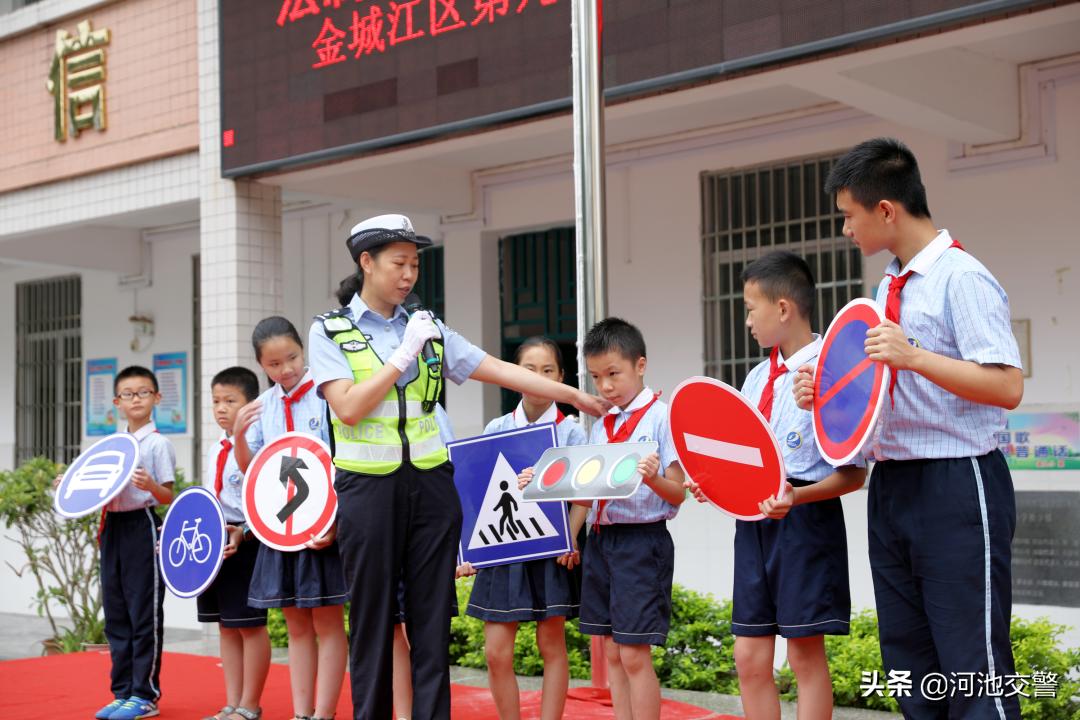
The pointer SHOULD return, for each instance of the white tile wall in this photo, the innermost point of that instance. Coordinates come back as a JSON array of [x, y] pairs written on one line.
[[240, 228], [148, 185]]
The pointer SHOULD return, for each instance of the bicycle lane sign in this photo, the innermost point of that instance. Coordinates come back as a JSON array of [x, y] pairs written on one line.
[[192, 542]]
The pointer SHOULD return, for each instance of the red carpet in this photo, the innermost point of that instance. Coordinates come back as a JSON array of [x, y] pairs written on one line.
[[73, 687]]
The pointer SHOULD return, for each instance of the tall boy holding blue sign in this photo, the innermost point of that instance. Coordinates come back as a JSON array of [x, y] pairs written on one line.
[[941, 510], [791, 573], [131, 586]]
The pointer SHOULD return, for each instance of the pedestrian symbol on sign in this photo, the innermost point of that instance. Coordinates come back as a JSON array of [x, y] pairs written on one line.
[[503, 517]]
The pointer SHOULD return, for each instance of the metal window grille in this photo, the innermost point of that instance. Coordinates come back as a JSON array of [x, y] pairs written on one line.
[[749, 212], [431, 287], [196, 371], [537, 278], [48, 374]]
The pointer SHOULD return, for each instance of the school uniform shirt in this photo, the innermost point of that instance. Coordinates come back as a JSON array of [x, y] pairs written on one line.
[[460, 357], [568, 432], [309, 416], [157, 455], [793, 428], [954, 307], [644, 506], [232, 481]]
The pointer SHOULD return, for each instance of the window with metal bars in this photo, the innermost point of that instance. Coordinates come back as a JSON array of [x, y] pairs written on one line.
[[749, 212], [48, 369], [537, 281]]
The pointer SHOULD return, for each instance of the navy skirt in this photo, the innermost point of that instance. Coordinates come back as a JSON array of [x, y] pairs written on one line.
[[522, 592], [303, 579]]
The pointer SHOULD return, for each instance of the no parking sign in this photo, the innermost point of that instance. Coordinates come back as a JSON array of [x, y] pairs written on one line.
[[288, 492], [849, 388]]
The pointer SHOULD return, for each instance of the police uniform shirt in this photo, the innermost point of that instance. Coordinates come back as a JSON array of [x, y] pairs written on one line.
[[328, 362], [568, 432], [644, 506], [157, 455], [446, 429], [309, 416], [232, 481], [793, 428], [954, 307]]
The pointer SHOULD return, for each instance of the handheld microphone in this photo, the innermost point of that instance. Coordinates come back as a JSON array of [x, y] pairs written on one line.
[[414, 304]]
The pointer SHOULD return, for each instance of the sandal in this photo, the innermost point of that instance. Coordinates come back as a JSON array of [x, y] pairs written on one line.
[[221, 714], [247, 714]]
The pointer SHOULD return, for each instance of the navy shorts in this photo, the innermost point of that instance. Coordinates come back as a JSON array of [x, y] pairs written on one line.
[[225, 601], [791, 575], [626, 588]]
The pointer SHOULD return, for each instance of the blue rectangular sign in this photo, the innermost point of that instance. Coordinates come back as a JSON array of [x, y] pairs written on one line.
[[497, 527]]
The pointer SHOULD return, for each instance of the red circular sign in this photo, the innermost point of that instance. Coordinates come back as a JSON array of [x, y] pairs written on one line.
[[849, 388], [726, 446], [288, 492]]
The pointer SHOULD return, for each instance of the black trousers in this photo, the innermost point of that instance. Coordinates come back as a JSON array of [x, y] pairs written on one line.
[[405, 524], [133, 594], [940, 553]]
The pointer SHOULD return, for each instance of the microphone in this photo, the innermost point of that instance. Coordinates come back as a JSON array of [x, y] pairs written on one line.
[[414, 304]]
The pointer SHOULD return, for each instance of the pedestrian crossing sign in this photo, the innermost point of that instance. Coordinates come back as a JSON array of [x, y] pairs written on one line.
[[498, 528]]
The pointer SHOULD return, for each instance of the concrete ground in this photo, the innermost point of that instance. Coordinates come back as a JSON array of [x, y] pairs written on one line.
[[21, 636]]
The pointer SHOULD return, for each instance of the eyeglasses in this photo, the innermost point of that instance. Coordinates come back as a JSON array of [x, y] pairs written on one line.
[[143, 394]]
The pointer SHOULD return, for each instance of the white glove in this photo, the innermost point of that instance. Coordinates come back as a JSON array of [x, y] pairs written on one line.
[[420, 329]]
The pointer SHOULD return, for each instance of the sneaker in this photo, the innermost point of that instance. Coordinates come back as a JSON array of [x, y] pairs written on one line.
[[135, 708], [106, 712]]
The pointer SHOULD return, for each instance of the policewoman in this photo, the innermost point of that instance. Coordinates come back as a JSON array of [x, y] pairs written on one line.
[[398, 509]]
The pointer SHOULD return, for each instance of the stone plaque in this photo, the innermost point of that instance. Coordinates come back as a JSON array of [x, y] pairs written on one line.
[[1046, 549]]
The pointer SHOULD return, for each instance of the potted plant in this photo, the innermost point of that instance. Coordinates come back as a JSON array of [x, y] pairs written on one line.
[[61, 555]]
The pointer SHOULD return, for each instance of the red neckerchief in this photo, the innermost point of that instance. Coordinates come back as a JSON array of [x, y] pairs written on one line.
[[219, 471], [624, 433], [892, 308], [776, 369], [289, 400]]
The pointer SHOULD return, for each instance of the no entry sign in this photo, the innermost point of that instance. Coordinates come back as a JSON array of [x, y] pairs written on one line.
[[849, 388], [288, 492], [726, 446]]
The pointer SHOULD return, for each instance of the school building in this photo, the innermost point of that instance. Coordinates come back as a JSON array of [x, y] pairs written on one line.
[[175, 170]]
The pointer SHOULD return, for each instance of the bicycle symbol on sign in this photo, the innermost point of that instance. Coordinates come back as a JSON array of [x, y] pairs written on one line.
[[192, 542]]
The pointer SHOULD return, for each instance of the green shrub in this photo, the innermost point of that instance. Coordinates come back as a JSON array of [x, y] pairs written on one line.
[[849, 656], [60, 554], [275, 625], [699, 650], [1035, 649], [699, 654]]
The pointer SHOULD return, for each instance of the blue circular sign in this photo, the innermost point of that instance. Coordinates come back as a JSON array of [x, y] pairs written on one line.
[[849, 388], [97, 475], [192, 542]]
